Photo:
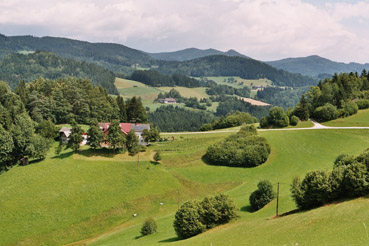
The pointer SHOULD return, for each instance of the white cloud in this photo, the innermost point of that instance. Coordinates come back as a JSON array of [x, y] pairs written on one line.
[[263, 29]]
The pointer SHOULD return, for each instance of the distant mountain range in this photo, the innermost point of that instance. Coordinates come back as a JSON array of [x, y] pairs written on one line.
[[316, 66], [192, 53], [194, 62]]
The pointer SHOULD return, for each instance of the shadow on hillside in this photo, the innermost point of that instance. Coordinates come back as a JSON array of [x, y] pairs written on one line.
[[169, 240], [247, 208], [108, 153], [63, 155]]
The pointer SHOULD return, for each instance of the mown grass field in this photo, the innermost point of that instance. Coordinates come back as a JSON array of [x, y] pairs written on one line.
[[359, 119], [223, 80], [90, 198]]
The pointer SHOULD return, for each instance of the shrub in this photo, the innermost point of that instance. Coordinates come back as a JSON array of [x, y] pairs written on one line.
[[187, 222], [157, 157], [356, 180], [206, 127], [362, 104], [294, 120], [262, 196], [244, 149], [277, 118], [149, 227], [195, 217], [350, 108], [326, 112]]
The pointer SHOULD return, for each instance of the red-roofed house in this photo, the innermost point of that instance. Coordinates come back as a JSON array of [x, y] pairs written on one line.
[[126, 127]]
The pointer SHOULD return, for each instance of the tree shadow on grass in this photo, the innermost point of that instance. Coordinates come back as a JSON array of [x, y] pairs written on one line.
[[247, 208], [64, 155], [154, 163], [169, 240], [108, 153]]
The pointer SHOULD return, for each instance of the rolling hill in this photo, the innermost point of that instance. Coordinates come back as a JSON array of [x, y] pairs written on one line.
[[118, 58], [316, 66], [16, 67], [246, 68], [192, 53]]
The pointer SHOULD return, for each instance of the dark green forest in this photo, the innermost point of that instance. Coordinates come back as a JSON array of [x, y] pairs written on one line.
[[177, 119], [16, 67], [286, 98]]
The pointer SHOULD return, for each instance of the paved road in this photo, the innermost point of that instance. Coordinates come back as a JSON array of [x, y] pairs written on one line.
[[316, 126]]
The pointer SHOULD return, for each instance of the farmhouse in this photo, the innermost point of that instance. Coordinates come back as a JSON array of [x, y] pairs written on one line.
[[167, 100], [64, 134], [126, 127]]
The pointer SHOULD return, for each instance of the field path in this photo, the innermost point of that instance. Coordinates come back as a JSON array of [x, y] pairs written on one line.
[[316, 126]]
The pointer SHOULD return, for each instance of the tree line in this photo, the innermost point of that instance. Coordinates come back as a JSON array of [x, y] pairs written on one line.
[[230, 120], [339, 96], [156, 79], [64, 100]]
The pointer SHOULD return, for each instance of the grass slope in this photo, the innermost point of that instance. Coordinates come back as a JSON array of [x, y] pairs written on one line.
[[293, 153], [359, 119]]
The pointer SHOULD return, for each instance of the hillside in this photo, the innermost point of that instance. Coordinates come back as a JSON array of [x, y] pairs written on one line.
[[16, 67], [192, 53], [317, 66], [94, 195], [116, 57], [245, 68]]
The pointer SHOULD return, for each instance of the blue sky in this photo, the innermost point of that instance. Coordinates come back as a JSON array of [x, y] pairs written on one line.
[[262, 29]]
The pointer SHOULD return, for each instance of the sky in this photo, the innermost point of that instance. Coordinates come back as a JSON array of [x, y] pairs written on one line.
[[262, 29]]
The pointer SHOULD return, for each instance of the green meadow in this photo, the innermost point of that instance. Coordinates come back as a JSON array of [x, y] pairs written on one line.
[[89, 198], [359, 119], [223, 80]]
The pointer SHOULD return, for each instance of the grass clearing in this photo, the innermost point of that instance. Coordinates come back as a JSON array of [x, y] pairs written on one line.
[[359, 119]]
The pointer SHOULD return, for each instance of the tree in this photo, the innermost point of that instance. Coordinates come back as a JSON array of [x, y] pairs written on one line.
[[122, 109], [94, 135], [187, 222], [22, 132], [133, 145], [157, 157], [262, 196], [75, 137], [115, 137], [47, 129], [6, 147], [294, 120], [39, 147], [149, 227], [151, 135], [135, 111], [277, 117]]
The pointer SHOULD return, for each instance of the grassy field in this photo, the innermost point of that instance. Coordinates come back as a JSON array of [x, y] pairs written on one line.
[[240, 82], [92, 196], [359, 119]]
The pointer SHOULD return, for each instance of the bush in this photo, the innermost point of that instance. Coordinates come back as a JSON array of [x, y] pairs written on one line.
[[264, 122], [349, 108], [294, 120], [195, 217], [262, 196], [313, 191], [149, 227], [157, 157], [362, 104], [187, 222], [326, 112], [356, 180], [244, 149], [276, 118]]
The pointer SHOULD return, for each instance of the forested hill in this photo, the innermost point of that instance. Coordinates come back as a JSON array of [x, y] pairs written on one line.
[[16, 67], [317, 66], [246, 68], [192, 53], [117, 58]]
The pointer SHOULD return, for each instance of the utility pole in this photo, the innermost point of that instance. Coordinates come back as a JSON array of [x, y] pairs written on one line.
[[138, 159], [277, 199]]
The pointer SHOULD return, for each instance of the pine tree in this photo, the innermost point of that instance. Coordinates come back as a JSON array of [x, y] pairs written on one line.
[[75, 137], [135, 111], [122, 109], [116, 137], [95, 135], [133, 145]]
